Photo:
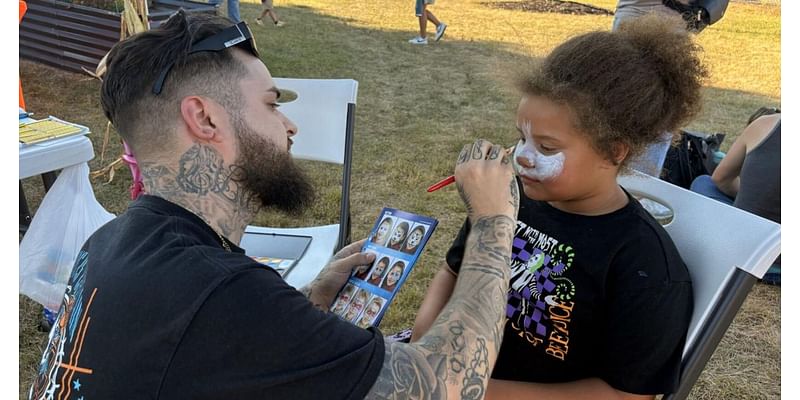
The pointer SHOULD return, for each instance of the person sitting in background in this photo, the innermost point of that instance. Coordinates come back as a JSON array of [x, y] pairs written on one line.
[[749, 176]]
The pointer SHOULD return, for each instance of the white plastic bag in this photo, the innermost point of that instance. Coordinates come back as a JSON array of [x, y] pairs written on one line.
[[68, 215]]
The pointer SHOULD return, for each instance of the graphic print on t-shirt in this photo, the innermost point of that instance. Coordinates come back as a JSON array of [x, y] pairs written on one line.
[[72, 320], [540, 297]]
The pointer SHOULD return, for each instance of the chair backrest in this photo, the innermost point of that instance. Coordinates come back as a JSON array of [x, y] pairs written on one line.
[[321, 115], [324, 113], [652, 160], [725, 249]]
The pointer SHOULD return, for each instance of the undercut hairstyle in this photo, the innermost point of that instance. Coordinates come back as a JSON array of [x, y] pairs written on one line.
[[626, 87], [145, 120]]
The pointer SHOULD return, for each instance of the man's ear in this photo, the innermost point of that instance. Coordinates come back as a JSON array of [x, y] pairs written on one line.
[[201, 117]]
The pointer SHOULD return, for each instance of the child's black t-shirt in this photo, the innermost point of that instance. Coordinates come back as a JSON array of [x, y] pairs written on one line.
[[592, 296]]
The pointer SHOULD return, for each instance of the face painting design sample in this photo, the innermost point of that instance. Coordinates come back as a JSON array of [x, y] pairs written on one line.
[[383, 231], [398, 236], [378, 271], [343, 299], [371, 312], [394, 276], [414, 239]]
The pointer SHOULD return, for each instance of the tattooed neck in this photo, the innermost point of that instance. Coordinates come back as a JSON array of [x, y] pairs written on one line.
[[203, 184]]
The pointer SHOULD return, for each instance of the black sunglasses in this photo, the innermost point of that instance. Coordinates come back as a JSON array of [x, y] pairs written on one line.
[[228, 37]]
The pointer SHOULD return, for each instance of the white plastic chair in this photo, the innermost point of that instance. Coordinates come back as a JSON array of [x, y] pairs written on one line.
[[324, 114], [726, 250], [652, 160]]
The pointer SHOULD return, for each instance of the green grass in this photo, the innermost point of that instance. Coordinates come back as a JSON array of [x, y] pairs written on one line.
[[417, 106]]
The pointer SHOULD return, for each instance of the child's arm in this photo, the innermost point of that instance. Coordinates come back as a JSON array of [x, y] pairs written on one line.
[[590, 389], [439, 292]]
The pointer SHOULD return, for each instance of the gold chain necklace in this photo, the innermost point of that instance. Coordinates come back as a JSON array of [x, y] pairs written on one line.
[[224, 242]]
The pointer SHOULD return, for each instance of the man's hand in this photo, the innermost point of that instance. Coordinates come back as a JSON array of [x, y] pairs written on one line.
[[330, 280], [485, 181]]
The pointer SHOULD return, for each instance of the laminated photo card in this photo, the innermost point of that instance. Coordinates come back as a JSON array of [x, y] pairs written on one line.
[[397, 239]]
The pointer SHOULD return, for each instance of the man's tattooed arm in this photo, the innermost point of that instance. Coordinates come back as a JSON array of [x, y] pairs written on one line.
[[454, 359]]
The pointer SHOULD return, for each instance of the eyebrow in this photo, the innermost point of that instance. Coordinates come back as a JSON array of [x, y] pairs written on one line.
[[275, 90], [540, 137]]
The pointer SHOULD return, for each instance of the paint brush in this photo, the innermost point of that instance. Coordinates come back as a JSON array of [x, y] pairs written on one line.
[[452, 178]]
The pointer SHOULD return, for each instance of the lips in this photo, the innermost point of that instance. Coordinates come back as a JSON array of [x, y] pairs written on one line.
[[529, 181]]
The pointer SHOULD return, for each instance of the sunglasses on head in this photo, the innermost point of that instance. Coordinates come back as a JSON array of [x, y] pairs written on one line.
[[235, 35]]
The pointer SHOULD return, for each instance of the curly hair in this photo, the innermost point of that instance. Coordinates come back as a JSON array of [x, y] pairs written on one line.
[[624, 87]]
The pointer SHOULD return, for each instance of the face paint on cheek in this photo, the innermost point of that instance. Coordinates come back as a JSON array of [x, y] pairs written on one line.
[[545, 167]]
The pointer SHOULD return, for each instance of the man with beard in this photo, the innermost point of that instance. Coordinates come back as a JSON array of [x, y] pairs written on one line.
[[168, 306]]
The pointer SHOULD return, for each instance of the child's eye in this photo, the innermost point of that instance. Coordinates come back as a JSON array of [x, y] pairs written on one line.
[[546, 149]]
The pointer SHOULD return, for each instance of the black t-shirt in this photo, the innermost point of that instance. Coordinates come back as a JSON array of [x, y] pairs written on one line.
[[157, 309], [592, 296]]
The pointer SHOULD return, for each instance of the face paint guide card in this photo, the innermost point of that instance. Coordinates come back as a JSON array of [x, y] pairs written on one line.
[[397, 240]]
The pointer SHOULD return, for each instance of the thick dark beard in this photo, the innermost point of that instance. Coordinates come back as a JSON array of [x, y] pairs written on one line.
[[269, 173]]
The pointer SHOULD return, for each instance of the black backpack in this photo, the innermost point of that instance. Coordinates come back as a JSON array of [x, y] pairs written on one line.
[[691, 157], [699, 13]]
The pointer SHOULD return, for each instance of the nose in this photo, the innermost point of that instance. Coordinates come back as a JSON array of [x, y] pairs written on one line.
[[524, 162], [291, 128]]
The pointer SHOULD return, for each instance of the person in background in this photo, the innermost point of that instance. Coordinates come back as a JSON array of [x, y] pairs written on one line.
[[233, 9], [749, 176], [268, 10], [424, 15]]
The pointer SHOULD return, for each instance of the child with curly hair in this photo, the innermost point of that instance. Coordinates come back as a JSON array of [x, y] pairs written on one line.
[[600, 301]]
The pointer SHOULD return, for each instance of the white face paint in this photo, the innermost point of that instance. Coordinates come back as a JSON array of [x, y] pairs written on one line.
[[398, 235], [414, 239], [545, 167]]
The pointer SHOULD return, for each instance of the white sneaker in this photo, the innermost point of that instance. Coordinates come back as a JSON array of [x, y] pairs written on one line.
[[258, 21], [280, 24], [418, 40], [440, 31]]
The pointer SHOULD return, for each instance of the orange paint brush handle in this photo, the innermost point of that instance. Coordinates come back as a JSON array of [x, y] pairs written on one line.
[[442, 183], [452, 178]]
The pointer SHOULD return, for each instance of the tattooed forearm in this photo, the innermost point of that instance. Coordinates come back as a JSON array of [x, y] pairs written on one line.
[[477, 374], [485, 269], [465, 197], [491, 234], [410, 372], [455, 357]]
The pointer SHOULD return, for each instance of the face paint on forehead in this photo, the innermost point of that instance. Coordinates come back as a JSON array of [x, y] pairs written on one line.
[[545, 167]]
